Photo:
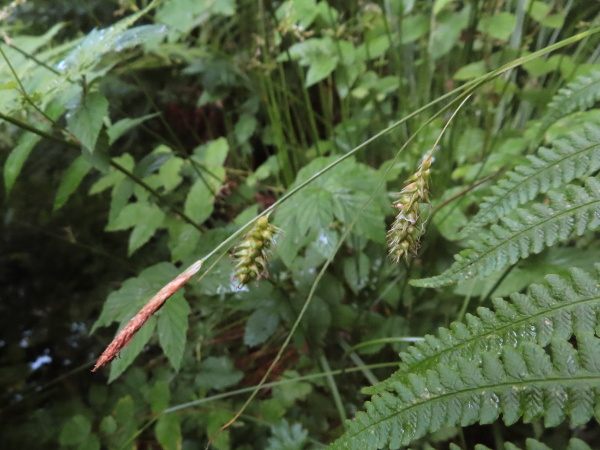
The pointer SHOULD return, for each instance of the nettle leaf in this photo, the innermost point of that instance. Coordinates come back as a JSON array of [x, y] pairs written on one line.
[[123, 304], [260, 326], [86, 120], [118, 129], [217, 373], [209, 158], [144, 218], [133, 349], [529, 232], [16, 159], [172, 329], [168, 432], [338, 194], [75, 431], [70, 181], [286, 436]]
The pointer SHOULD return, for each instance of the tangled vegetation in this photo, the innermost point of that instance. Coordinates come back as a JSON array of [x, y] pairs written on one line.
[[267, 201]]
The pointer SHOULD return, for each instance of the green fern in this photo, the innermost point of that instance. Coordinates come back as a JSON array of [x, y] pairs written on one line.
[[578, 95], [556, 309], [535, 228], [532, 444], [529, 382], [575, 155]]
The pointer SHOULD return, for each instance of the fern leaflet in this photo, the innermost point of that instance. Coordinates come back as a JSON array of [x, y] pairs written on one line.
[[575, 155], [536, 227], [533, 444], [578, 95], [527, 382], [556, 309]]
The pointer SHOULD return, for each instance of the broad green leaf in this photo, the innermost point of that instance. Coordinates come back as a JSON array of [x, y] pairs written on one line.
[[183, 240], [75, 430], [86, 120], [414, 28], [498, 26], [148, 225], [320, 68], [113, 177], [169, 173], [124, 417], [439, 5], [289, 393], [214, 153], [133, 349], [91, 442], [118, 129], [374, 48], [199, 202], [122, 305], [245, 127], [16, 159], [217, 373], [184, 15], [172, 329], [108, 425], [98, 157], [446, 32], [168, 432], [356, 272], [287, 437], [470, 71], [71, 180], [159, 396], [260, 326]]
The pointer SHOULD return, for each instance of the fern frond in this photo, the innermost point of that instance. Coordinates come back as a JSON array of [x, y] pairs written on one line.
[[556, 309], [535, 228], [527, 382], [578, 95], [575, 155], [533, 444]]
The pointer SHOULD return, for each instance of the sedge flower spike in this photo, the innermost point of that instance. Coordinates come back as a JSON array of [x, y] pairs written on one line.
[[251, 254], [409, 225]]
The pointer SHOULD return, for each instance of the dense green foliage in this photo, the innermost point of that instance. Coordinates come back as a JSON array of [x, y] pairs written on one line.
[[139, 138]]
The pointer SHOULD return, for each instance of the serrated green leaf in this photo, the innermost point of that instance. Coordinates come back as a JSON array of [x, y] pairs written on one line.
[[260, 326], [118, 129], [320, 69], [213, 154], [145, 218], [75, 431], [86, 120], [172, 329], [124, 418], [287, 437], [70, 181], [169, 173], [498, 26], [16, 159], [159, 396], [446, 31], [98, 156], [217, 373], [133, 349], [199, 202], [168, 432]]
